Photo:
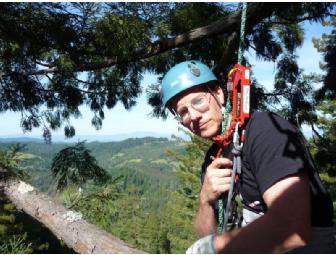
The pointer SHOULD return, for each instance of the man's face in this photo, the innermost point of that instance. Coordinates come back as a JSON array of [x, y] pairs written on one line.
[[200, 111]]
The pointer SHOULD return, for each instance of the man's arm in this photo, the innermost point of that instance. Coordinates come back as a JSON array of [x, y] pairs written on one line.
[[286, 224], [205, 222]]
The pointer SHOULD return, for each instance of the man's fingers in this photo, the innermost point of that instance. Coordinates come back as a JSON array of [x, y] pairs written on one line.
[[221, 181], [217, 179], [224, 180], [218, 173], [212, 188], [221, 188], [221, 163]]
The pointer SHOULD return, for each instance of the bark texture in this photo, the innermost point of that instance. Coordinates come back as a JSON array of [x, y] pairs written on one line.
[[68, 226]]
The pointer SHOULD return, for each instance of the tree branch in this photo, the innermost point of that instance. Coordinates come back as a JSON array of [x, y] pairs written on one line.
[[43, 64], [255, 13], [228, 54], [77, 234], [297, 20], [315, 132]]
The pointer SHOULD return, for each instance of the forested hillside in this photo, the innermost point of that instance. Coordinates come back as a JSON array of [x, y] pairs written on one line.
[[150, 200], [139, 204], [141, 160]]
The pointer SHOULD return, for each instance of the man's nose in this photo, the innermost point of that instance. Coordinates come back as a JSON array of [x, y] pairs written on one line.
[[194, 114]]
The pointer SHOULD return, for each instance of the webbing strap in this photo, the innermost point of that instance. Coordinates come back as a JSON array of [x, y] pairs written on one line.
[[236, 170], [223, 217]]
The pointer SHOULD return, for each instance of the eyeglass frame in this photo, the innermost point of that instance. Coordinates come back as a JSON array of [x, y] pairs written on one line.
[[178, 117]]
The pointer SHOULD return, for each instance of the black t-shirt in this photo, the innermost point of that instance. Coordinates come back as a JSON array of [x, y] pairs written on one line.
[[274, 149]]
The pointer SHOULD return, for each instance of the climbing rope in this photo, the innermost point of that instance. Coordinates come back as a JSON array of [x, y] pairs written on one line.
[[223, 215], [242, 33]]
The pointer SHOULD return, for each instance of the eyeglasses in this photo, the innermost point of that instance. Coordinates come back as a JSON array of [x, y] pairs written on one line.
[[199, 103]]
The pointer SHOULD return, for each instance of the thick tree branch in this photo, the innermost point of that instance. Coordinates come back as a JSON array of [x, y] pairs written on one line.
[[43, 64], [228, 54], [256, 13], [77, 234], [315, 132], [298, 20]]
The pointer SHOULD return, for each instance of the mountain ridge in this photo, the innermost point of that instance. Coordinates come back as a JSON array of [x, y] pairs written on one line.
[[88, 138]]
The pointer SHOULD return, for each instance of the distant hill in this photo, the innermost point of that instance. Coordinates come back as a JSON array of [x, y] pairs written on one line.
[[110, 138], [142, 161], [21, 140], [89, 138]]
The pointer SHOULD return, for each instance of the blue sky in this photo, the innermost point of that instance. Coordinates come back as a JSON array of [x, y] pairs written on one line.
[[120, 121]]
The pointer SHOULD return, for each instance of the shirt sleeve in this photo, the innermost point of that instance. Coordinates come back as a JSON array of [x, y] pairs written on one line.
[[274, 149]]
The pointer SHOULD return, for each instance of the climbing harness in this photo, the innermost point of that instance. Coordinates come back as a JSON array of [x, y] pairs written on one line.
[[238, 87]]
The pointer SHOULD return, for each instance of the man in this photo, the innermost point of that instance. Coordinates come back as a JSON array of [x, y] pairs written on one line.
[[286, 208]]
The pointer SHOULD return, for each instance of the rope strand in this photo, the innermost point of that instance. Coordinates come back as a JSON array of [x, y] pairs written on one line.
[[242, 33], [222, 218]]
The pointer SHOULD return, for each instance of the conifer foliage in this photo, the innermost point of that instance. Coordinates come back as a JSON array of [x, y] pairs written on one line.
[[76, 165], [324, 145], [11, 158], [56, 57]]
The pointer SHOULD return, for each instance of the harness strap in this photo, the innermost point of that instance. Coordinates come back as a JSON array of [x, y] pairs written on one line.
[[223, 216], [236, 171]]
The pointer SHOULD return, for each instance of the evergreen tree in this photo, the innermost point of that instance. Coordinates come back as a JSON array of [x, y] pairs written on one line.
[[326, 118], [11, 159], [323, 146], [326, 45], [56, 57], [76, 165], [182, 208], [325, 143], [12, 239]]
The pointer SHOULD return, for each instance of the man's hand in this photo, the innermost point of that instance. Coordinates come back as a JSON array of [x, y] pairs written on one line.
[[217, 180], [203, 245]]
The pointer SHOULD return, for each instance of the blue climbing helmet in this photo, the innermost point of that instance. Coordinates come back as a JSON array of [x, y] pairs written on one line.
[[183, 76]]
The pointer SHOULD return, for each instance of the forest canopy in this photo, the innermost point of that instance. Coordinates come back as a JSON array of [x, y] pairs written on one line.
[[56, 57]]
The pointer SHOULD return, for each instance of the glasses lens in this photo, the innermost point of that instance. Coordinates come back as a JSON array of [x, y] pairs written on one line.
[[199, 103]]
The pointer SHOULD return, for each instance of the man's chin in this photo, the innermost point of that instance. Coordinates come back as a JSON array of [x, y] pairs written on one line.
[[206, 134]]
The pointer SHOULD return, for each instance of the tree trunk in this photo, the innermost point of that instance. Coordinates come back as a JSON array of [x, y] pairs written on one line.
[[68, 226]]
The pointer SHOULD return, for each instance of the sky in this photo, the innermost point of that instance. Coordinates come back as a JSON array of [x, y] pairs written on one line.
[[120, 121]]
